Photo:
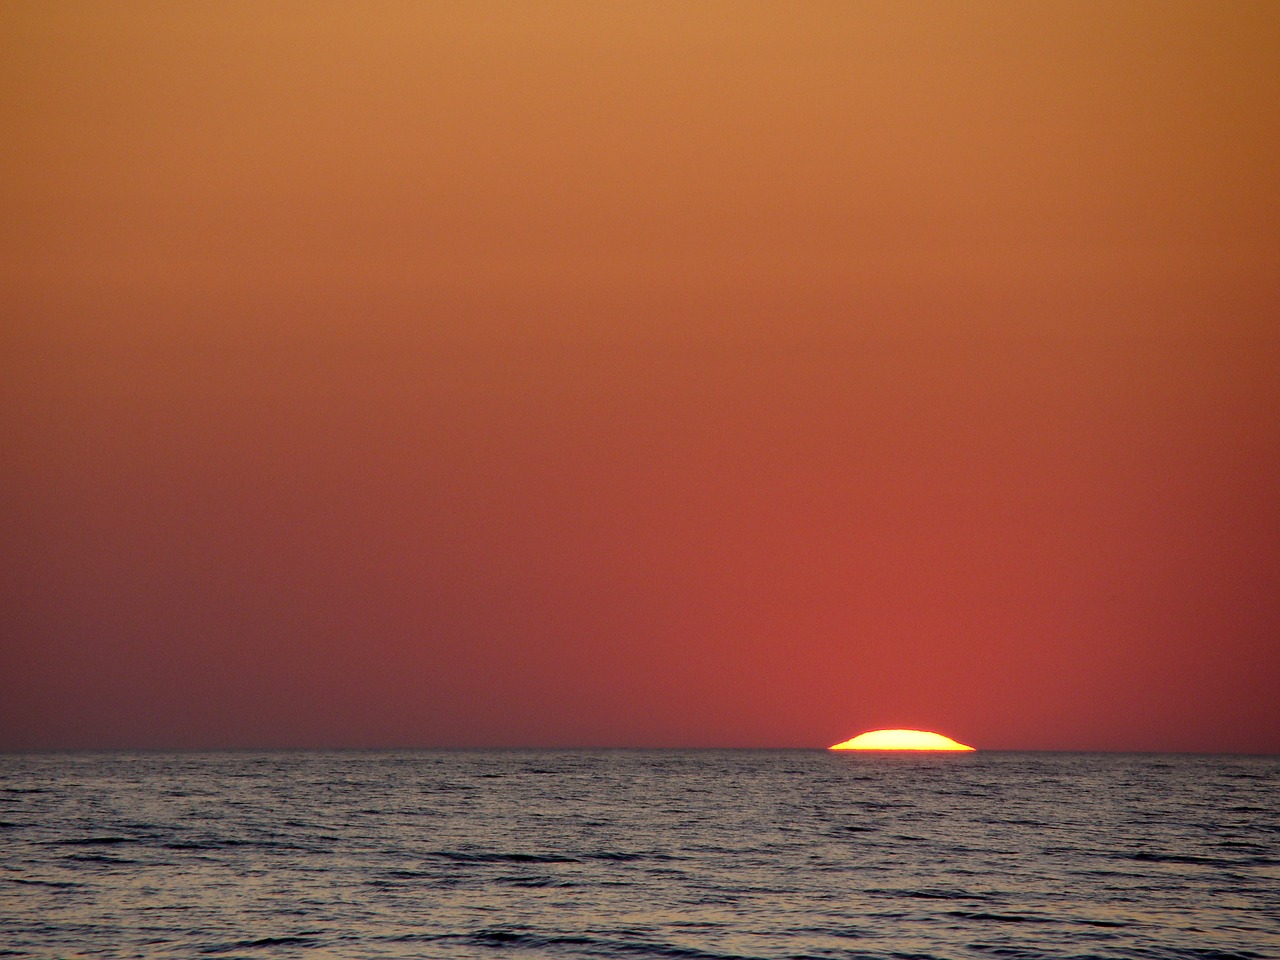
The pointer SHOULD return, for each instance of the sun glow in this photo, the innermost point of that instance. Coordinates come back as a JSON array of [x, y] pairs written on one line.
[[900, 740]]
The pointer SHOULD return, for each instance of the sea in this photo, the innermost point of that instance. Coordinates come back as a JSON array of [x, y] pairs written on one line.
[[699, 855]]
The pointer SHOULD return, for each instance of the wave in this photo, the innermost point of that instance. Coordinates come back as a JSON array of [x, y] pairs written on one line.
[[1000, 917], [55, 884], [1145, 856], [102, 858], [467, 856], [94, 841], [937, 894], [599, 945], [261, 942]]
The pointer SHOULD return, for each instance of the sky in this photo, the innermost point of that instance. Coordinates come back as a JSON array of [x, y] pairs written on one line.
[[639, 374]]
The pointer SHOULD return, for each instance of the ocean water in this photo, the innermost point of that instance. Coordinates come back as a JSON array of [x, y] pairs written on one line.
[[629, 854]]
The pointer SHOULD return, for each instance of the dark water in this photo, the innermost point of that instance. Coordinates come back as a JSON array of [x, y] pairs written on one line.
[[634, 854]]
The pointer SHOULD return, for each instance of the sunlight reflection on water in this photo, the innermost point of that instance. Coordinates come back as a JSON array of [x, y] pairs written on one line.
[[595, 854]]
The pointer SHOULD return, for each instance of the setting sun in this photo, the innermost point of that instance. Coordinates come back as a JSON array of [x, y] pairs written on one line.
[[900, 740]]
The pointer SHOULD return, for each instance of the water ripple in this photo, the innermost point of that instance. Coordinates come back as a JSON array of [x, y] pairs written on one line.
[[701, 855]]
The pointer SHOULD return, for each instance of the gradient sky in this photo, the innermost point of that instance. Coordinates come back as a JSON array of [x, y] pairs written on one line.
[[639, 374]]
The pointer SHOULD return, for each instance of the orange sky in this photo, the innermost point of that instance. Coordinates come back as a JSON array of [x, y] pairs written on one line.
[[639, 374]]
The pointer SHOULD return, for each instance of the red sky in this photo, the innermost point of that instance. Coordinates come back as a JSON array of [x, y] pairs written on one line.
[[639, 374]]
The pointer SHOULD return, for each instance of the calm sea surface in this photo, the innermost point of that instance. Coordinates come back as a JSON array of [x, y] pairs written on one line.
[[701, 854]]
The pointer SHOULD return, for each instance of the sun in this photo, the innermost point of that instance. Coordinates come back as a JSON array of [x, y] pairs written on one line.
[[900, 740]]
